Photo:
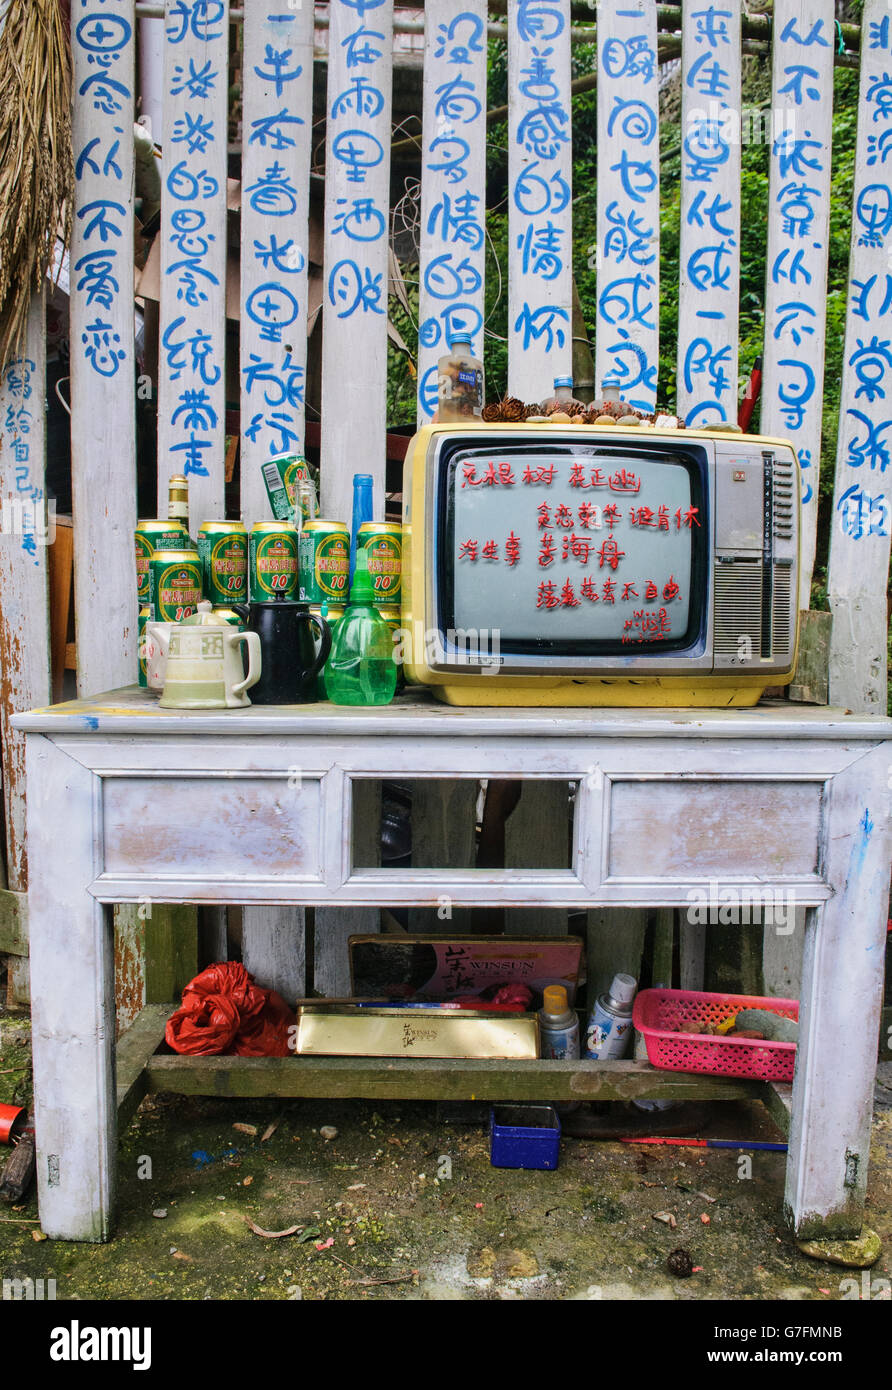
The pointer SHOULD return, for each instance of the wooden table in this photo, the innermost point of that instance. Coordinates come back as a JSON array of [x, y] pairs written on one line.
[[128, 802]]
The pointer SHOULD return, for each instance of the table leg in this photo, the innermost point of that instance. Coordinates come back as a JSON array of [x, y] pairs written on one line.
[[73, 1010], [842, 984]]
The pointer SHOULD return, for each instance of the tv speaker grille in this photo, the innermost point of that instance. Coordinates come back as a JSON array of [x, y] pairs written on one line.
[[738, 607], [781, 614]]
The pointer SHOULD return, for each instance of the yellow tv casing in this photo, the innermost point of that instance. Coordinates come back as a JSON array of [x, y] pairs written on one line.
[[702, 688]]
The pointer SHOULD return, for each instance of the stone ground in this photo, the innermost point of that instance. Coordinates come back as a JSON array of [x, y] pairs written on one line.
[[403, 1204]]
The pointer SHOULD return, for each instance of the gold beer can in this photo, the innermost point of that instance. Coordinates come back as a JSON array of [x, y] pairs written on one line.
[[324, 562], [383, 540], [272, 561], [175, 576], [223, 548]]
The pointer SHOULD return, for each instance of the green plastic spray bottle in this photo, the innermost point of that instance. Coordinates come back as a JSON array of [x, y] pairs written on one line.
[[361, 669]]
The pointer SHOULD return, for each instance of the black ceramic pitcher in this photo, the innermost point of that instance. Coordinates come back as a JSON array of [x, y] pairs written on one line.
[[290, 662]]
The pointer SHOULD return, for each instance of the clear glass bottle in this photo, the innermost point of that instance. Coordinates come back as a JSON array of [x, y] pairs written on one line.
[[306, 508], [459, 382], [360, 669], [563, 398]]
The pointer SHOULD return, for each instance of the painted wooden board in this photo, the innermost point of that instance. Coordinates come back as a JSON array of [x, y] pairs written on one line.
[[540, 219], [453, 186], [24, 585], [709, 254], [277, 122], [357, 236], [191, 392], [418, 1078], [628, 250], [861, 519], [804, 40], [103, 419], [842, 979]]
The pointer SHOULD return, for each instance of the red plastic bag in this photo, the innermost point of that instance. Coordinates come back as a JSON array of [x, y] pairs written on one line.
[[224, 1013]]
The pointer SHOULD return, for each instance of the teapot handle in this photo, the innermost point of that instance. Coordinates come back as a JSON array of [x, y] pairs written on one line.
[[324, 648], [254, 659]]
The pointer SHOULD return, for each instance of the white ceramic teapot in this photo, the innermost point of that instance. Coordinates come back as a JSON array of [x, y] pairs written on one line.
[[204, 666]]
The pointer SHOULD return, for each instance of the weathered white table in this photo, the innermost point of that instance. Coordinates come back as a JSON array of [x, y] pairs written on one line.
[[127, 801]]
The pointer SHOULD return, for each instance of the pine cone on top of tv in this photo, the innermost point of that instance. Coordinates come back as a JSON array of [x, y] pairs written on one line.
[[513, 410], [532, 410], [492, 412]]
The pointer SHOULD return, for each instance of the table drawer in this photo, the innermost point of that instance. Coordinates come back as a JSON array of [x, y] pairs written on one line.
[[218, 825]]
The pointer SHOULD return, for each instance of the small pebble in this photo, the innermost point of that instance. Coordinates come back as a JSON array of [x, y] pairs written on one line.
[[328, 1132], [160, 1212]]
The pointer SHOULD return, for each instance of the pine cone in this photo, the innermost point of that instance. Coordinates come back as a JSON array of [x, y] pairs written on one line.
[[492, 413], [532, 408], [513, 410], [680, 1263]]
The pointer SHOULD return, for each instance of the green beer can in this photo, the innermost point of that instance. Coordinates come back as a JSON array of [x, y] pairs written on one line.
[[145, 613], [175, 576], [149, 536], [272, 560], [324, 562], [223, 550], [383, 540]]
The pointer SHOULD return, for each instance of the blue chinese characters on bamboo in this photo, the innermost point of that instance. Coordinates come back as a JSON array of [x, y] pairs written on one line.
[[103, 38], [541, 191], [863, 507], [191, 352], [452, 273], [628, 308]]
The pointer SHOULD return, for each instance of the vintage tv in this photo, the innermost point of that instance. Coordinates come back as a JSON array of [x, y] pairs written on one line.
[[599, 565]]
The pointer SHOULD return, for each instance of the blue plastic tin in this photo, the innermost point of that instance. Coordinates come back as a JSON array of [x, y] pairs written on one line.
[[524, 1136]]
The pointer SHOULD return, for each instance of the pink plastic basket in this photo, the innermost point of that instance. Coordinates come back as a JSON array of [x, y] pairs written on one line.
[[659, 1011]]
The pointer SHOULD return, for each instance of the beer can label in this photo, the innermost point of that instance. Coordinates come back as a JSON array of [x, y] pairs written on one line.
[[324, 566], [147, 539], [145, 613], [176, 589], [273, 567], [224, 562], [293, 471], [276, 491], [385, 552]]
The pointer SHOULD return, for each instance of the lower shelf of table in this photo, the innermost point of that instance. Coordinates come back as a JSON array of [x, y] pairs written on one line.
[[142, 1070]]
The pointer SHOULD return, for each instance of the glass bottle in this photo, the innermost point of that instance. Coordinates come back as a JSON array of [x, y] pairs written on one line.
[[178, 503], [362, 512], [563, 398], [360, 669], [459, 382]]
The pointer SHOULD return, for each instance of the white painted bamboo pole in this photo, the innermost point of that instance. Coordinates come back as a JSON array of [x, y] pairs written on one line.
[[191, 391], [540, 219], [709, 254], [453, 186], [860, 520], [24, 594], [103, 377], [277, 123], [357, 235], [796, 265], [628, 249]]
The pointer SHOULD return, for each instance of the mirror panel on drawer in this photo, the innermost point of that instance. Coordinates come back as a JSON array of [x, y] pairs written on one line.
[[667, 828], [233, 826]]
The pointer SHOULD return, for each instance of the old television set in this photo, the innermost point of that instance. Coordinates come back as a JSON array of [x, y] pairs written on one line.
[[599, 565]]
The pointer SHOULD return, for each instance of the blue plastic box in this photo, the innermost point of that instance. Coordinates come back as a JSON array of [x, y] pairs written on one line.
[[524, 1136]]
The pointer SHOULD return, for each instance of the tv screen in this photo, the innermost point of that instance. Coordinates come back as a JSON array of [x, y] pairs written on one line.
[[574, 549]]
